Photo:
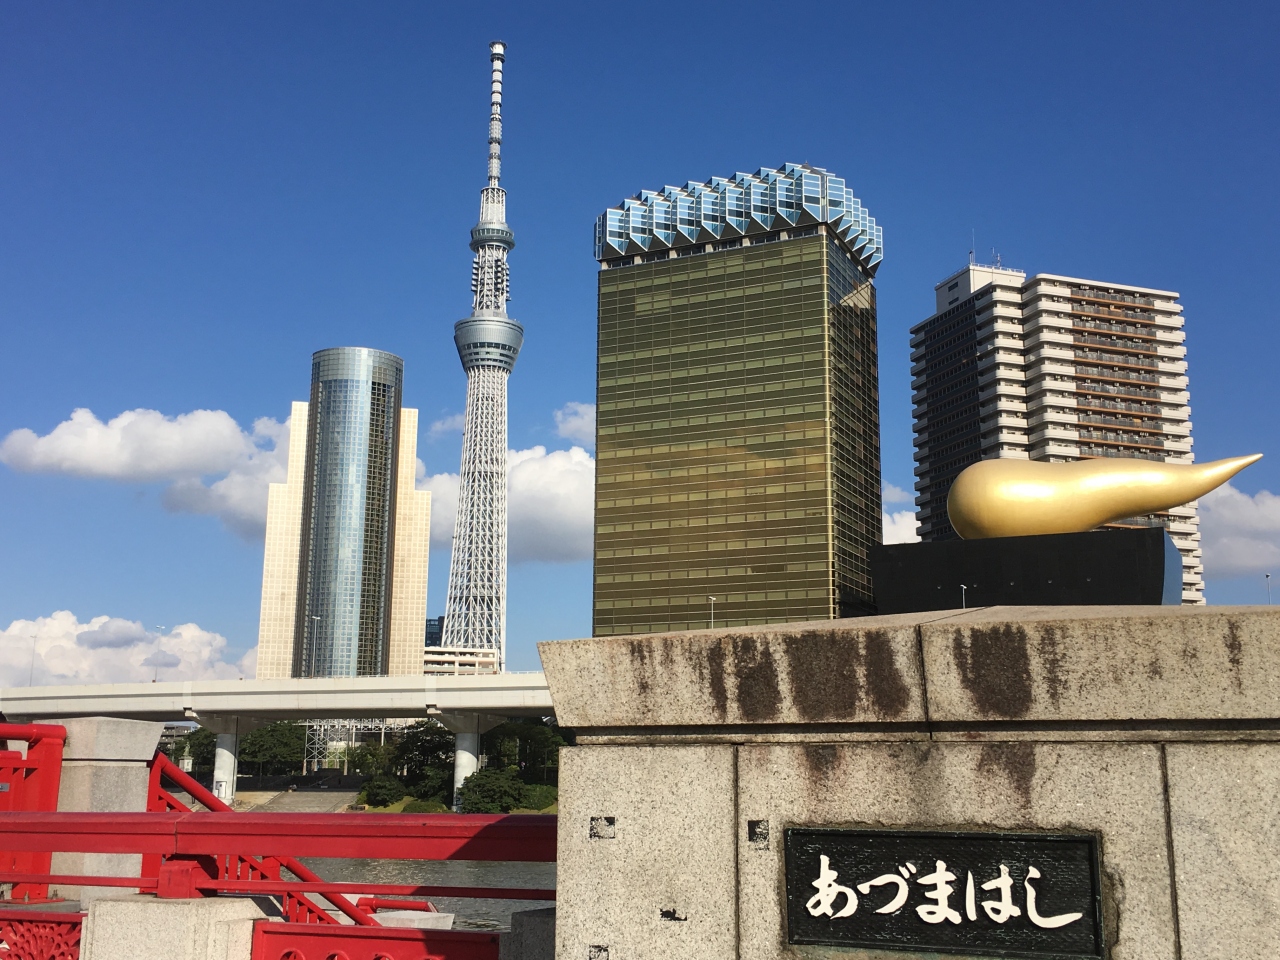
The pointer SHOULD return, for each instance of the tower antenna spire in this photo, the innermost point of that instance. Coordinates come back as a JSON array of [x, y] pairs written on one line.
[[497, 56], [488, 341]]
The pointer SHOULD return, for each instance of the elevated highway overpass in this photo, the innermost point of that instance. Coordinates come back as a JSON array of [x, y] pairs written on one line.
[[211, 701], [468, 705]]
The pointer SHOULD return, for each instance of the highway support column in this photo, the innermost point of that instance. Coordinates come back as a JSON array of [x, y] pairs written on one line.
[[466, 729]]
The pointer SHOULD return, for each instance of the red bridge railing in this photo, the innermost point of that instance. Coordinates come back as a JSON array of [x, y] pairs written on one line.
[[188, 853], [30, 783]]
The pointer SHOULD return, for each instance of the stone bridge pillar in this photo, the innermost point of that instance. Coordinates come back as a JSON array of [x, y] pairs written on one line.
[[712, 767]]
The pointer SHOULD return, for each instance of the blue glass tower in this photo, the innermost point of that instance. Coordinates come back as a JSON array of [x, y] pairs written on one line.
[[342, 628]]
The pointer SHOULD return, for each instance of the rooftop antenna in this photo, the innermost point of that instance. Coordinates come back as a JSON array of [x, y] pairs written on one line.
[[973, 235], [995, 257]]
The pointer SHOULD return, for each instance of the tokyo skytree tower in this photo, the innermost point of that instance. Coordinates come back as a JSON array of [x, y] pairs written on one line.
[[475, 616]]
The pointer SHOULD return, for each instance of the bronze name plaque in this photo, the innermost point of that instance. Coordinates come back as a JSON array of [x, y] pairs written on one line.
[[985, 894]]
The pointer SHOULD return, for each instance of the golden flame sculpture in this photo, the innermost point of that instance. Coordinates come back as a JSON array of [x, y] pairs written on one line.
[[1022, 498]]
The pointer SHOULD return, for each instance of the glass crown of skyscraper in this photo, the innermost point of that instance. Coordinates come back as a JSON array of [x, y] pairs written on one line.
[[794, 195]]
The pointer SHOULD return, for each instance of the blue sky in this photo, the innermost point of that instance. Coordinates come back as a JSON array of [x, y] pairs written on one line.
[[193, 198]]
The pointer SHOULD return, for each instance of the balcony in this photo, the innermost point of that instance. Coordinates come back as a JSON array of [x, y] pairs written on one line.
[[1117, 358]]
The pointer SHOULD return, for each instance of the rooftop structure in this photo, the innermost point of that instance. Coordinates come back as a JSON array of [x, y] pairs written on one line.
[[651, 225]]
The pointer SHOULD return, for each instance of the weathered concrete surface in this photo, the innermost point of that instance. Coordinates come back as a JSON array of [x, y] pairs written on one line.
[[104, 770], [646, 843], [418, 919], [1224, 804], [142, 927], [829, 671], [1104, 664], [1113, 790], [532, 936], [1137, 671]]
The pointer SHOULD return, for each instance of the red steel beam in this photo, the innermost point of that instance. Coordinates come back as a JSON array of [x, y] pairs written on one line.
[[384, 836], [294, 886], [91, 832], [374, 889], [81, 880], [381, 835], [32, 732]]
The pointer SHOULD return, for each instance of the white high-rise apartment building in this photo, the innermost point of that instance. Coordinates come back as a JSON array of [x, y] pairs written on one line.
[[344, 570], [1050, 368]]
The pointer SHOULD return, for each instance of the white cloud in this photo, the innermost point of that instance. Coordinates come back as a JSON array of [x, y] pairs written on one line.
[[900, 527], [60, 649], [239, 499], [138, 445], [891, 494], [577, 421], [550, 505], [449, 424], [1240, 533], [145, 446], [444, 505]]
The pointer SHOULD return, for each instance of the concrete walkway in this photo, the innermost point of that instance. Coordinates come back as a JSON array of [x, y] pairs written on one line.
[[308, 801]]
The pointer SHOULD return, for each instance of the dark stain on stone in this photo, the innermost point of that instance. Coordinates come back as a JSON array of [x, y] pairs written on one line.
[[1016, 761], [995, 667], [672, 915], [1235, 654], [821, 759], [1155, 671], [715, 671], [758, 695], [1189, 655], [639, 650], [823, 672], [1051, 657], [885, 686]]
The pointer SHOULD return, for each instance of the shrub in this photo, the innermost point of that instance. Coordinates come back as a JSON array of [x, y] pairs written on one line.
[[383, 791], [434, 785], [491, 791], [539, 796], [425, 806]]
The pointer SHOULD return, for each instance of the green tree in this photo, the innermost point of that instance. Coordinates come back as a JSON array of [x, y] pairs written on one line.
[[384, 791], [434, 785], [200, 744], [423, 746], [275, 749], [370, 759], [530, 745], [491, 791]]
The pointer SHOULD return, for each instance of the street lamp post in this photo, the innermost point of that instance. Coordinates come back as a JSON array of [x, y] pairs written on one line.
[[156, 676], [1268, 576], [313, 625], [713, 612], [964, 597]]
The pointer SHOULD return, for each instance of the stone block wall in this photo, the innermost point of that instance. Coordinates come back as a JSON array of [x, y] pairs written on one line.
[[1155, 729]]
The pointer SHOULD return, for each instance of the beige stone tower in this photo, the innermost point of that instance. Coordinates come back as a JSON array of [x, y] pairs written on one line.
[[280, 562]]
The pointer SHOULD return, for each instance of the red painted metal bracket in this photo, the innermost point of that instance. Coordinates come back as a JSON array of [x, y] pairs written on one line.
[[286, 941]]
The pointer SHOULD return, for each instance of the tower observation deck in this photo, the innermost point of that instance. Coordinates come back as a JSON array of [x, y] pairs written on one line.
[[488, 343]]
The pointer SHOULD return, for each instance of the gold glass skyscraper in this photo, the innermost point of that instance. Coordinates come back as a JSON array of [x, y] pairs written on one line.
[[738, 446]]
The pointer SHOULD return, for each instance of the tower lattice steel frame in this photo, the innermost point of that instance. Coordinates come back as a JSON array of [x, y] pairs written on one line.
[[488, 343]]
